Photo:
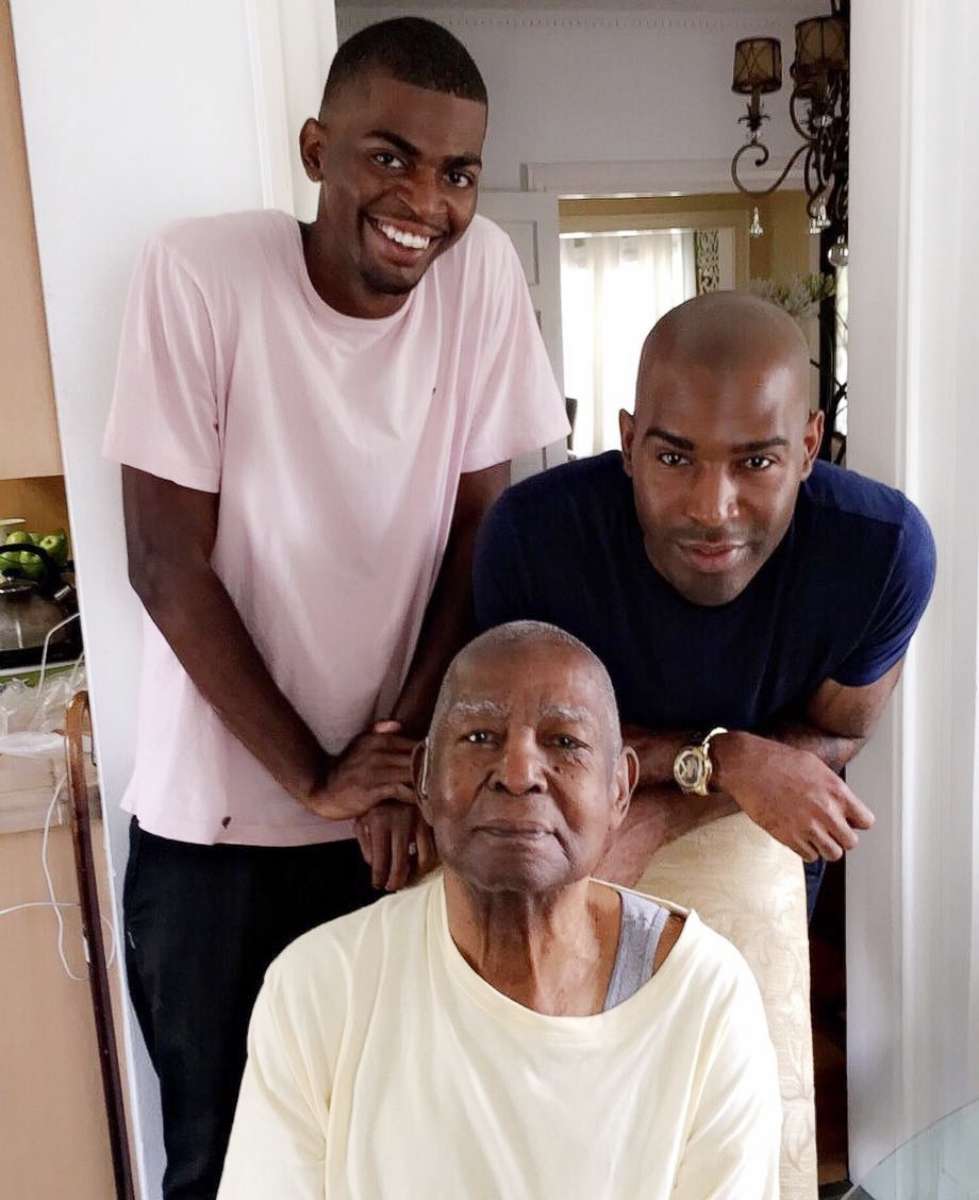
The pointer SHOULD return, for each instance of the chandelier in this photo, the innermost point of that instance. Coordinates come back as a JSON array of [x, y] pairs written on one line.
[[819, 108]]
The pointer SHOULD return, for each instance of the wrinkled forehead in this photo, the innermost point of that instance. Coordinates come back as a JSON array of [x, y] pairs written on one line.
[[466, 708], [526, 684]]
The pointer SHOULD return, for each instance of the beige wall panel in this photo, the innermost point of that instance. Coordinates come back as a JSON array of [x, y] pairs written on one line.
[[28, 427], [55, 1139]]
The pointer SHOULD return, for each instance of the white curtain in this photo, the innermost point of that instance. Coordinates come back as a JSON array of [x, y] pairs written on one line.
[[614, 287]]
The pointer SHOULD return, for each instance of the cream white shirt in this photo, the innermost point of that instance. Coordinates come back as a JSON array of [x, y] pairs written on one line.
[[382, 1067]]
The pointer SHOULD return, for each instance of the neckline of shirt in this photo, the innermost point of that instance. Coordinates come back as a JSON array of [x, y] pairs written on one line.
[[639, 1009], [323, 310]]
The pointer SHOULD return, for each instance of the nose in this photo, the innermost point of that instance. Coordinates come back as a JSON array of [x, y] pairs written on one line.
[[423, 194], [519, 770], [713, 498]]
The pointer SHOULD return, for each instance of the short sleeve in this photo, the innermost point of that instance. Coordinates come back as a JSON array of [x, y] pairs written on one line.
[[165, 408], [733, 1144], [278, 1139], [516, 405], [500, 582], [901, 606]]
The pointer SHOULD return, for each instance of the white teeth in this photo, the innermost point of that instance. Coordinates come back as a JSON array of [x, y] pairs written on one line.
[[412, 240]]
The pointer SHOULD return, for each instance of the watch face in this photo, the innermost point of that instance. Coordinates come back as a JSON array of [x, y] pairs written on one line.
[[689, 768]]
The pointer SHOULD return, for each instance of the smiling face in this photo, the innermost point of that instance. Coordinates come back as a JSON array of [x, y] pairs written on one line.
[[720, 442], [525, 781], [399, 167]]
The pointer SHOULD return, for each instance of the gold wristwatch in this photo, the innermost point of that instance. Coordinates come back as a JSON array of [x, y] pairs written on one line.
[[692, 767]]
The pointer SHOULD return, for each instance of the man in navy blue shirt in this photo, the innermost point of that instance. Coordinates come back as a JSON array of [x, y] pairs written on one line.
[[728, 580]]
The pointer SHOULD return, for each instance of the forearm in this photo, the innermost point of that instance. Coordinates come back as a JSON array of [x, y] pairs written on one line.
[[833, 749], [658, 750], [448, 625], [658, 815], [205, 631]]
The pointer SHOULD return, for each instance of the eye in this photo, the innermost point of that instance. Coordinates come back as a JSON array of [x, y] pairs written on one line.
[[460, 179], [478, 737], [565, 741], [670, 458], [758, 462], [384, 158]]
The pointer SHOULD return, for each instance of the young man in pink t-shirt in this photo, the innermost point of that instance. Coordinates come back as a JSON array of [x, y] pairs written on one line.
[[312, 419]]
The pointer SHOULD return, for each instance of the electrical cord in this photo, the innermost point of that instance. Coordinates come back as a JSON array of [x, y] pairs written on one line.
[[58, 905]]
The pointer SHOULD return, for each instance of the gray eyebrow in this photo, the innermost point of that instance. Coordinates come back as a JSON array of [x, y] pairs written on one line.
[[564, 712], [466, 707]]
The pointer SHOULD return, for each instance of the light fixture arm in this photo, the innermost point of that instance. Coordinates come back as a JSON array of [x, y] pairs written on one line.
[[763, 156]]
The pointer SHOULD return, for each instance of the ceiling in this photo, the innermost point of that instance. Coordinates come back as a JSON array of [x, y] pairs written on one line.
[[793, 7]]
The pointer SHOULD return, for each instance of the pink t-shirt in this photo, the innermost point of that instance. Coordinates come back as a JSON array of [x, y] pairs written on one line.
[[336, 444]]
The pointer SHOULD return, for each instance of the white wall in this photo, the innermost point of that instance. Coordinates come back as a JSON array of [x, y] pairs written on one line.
[[913, 887], [136, 114], [569, 86]]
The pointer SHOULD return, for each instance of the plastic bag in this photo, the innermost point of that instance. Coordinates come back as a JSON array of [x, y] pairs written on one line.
[[32, 718]]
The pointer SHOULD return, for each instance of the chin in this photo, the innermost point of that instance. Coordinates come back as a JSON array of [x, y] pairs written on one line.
[[386, 285], [712, 593]]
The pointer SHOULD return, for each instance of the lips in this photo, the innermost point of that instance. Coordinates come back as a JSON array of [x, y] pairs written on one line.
[[518, 830], [712, 557], [399, 242]]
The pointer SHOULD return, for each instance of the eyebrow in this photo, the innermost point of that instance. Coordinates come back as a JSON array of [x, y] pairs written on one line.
[[465, 707], [411, 151], [565, 712], [682, 443]]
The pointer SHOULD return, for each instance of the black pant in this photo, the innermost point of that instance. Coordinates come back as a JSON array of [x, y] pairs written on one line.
[[202, 924]]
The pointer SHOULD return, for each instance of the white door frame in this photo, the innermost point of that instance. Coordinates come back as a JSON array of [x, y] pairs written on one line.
[[912, 887]]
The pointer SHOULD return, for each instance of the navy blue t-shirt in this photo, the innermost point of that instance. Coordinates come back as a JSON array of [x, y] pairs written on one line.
[[838, 599]]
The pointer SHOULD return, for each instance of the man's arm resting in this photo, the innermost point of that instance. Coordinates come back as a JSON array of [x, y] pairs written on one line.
[[387, 830], [170, 533], [449, 621], [787, 780]]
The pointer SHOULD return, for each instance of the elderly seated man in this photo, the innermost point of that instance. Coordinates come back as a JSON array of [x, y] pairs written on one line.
[[512, 1028]]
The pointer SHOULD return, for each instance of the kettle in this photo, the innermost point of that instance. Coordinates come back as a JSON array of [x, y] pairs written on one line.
[[29, 609]]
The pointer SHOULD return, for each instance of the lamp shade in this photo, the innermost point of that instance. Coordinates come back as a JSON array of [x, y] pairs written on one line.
[[820, 47], [757, 65]]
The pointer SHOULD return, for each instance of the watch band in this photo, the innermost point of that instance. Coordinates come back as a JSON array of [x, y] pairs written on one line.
[[705, 744], [692, 767]]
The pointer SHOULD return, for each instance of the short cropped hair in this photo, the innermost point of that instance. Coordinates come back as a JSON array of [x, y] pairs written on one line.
[[525, 633], [411, 50]]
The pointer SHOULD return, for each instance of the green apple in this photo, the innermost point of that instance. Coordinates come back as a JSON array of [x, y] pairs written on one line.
[[20, 537], [31, 565], [56, 544]]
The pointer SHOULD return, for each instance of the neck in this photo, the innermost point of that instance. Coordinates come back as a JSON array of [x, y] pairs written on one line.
[[333, 282], [551, 952]]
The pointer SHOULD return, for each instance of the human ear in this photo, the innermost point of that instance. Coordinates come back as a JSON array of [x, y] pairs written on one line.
[[310, 148], [812, 439], [627, 431], [420, 759], [624, 781]]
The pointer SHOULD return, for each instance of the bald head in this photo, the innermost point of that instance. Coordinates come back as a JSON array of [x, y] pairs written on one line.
[[727, 333], [521, 643], [720, 442]]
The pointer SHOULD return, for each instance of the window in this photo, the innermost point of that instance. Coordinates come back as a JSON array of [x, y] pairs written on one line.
[[614, 287]]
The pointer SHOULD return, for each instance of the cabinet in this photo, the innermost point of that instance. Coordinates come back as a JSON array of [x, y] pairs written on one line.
[[29, 446]]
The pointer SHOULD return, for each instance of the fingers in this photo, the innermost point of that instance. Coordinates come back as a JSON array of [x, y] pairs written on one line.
[[824, 846], [427, 854], [399, 838], [362, 830], [379, 740], [402, 792], [380, 854], [386, 727], [858, 814]]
